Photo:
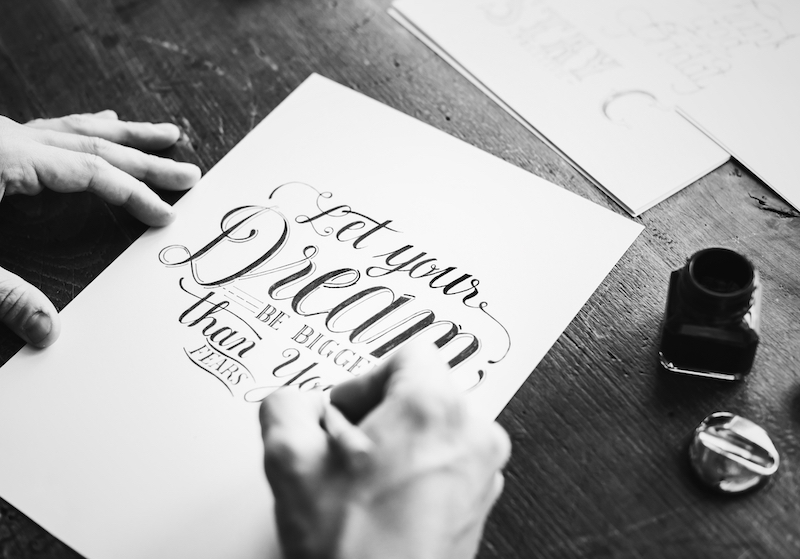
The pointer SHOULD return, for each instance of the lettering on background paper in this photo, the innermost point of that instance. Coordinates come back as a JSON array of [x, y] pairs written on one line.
[[550, 38], [703, 44], [306, 291]]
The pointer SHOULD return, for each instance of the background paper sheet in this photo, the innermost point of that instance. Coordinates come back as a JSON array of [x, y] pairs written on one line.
[[754, 113], [678, 48], [133, 435], [545, 62], [731, 67]]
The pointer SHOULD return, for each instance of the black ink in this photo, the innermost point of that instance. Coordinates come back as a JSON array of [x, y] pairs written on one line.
[[228, 234], [434, 272], [325, 280], [208, 329]]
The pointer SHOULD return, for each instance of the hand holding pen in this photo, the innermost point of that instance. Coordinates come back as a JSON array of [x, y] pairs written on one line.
[[395, 465]]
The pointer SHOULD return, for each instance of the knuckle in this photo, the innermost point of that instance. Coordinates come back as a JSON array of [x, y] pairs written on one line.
[[12, 177], [132, 132], [16, 178], [148, 166], [93, 164], [74, 122], [93, 145]]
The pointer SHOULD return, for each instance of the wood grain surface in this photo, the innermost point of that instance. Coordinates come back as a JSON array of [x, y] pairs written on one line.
[[599, 468]]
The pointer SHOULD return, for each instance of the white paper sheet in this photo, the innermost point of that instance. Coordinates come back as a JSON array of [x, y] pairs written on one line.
[[598, 111], [678, 48], [131, 437], [754, 113]]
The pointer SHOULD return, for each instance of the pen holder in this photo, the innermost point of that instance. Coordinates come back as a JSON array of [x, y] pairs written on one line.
[[711, 325]]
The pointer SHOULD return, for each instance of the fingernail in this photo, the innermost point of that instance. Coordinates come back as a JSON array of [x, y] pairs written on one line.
[[37, 328], [190, 174], [168, 129], [169, 216], [108, 113]]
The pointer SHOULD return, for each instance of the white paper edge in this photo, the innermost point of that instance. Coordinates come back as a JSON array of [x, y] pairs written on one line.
[[698, 124]]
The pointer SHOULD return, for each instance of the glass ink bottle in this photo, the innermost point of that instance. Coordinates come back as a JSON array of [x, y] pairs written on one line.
[[712, 320]]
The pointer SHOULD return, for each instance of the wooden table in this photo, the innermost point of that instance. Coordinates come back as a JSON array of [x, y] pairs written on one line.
[[600, 466]]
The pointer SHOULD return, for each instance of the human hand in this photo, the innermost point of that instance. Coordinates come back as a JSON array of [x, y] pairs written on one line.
[[82, 153], [415, 479], [85, 153]]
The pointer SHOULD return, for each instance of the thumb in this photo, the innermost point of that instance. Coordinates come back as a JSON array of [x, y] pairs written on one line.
[[27, 311]]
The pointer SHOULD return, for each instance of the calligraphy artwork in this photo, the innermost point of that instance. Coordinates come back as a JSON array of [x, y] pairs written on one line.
[[337, 231]]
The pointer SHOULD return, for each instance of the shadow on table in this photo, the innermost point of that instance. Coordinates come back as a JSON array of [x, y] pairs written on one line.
[[684, 392], [794, 405]]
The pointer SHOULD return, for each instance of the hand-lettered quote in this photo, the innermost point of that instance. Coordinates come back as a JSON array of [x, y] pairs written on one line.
[[306, 291]]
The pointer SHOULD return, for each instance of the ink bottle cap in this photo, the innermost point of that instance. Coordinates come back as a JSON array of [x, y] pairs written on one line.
[[712, 320], [732, 454]]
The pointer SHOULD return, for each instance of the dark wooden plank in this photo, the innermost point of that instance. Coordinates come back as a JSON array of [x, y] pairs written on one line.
[[599, 466]]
